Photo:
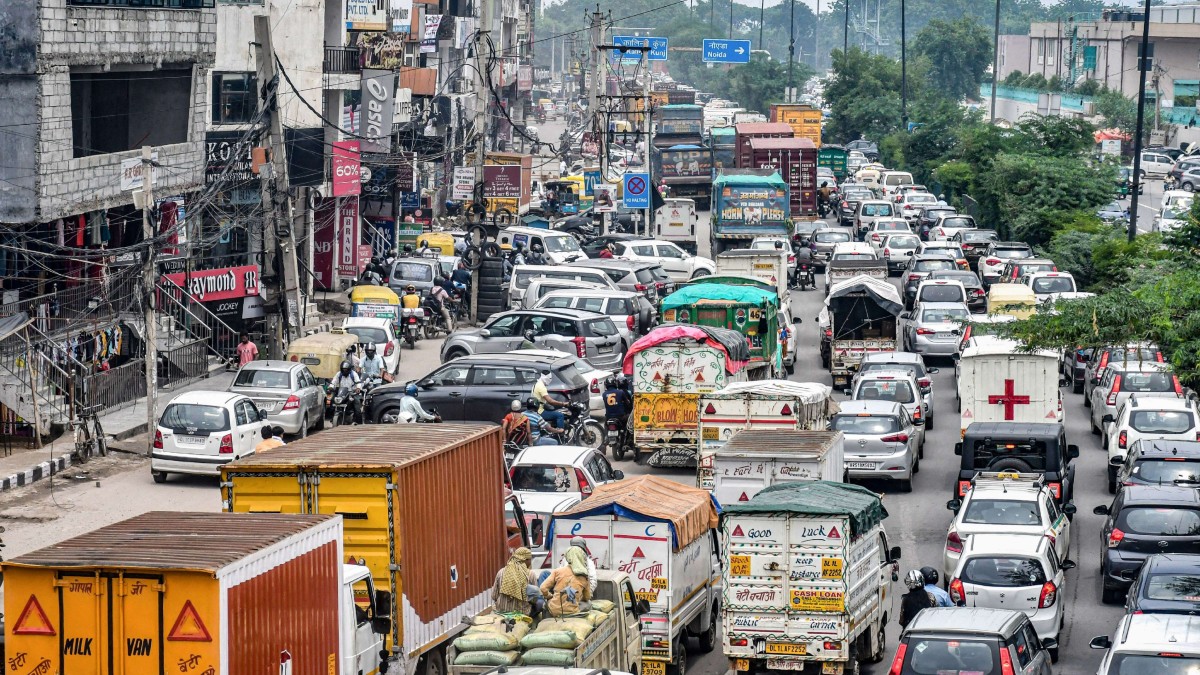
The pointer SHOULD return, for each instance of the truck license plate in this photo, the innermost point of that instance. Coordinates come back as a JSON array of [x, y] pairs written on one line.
[[710, 434], [741, 665], [654, 668], [787, 648], [831, 668]]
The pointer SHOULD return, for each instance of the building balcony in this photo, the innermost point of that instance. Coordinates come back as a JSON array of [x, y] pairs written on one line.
[[342, 60]]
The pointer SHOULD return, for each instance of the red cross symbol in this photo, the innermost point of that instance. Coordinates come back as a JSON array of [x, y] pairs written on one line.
[[1009, 398]]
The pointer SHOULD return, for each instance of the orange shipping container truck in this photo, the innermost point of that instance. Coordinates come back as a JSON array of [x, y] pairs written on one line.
[[202, 593], [425, 508], [805, 120]]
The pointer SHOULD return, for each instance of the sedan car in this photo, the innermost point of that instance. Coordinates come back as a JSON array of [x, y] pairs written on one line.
[[544, 475], [935, 328], [382, 334], [1168, 583], [590, 336], [976, 297], [1143, 520], [286, 391], [200, 431], [678, 263], [897, 386], [992, 261], [881, 441]]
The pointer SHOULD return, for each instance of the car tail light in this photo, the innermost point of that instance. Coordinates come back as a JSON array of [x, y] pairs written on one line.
[[898, 661], [389, 348], [1123, 439], [580, 346], [1055, 489], [226, 445], [924, 331], [1053, 540], [992, 261], [914, 277], [1178, 387], [630, 323], [293, 403], [924, 383], [639, 287], [158, 444], [918, 413], [875, 236], [585, 488], [1006, 664], [791, 259], [963, 486], [977, 292], [957, 592], [887, 251], [954, 543], [828, 332], [845, 205], [595, 388], [1104, 360], [1112, 395], [1115, 538], [1048, 596], [895, 438]]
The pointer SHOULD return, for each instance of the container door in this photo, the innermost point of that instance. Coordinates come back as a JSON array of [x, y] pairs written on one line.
[[84, 624], [137, 634], [254, 492], [643, 551], [739, 478], [111, 625]]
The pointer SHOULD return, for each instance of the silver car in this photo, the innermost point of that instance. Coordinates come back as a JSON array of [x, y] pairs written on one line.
[[935, 328], [914, 364], [896, 386], [590, 336], [881, 441], [286, 391]]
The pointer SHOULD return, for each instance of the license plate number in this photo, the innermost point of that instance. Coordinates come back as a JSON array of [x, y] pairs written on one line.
[[831, 668], [942, 335], [781, 664], [861, 465], [195, 441], [654, 668], [267, 406], [787, 648], [741, 665], [709, 434], [606, 350]]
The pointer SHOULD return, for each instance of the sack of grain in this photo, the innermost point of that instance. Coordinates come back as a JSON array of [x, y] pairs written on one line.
[[518, 628], [487, 658], [605, 606], [579, 625], [559, 639], [486, 642], [596, 618], [549, 656]]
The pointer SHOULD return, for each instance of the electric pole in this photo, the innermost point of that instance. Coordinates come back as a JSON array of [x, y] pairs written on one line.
[[731, 20], [995, 61], [846, 30], [279, 243], [791, 44], [1143, 62], [149, 293], [482, 100], [762, 15], [903, 70]]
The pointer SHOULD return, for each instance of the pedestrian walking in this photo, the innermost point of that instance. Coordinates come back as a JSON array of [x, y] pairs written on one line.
[[247, 351]]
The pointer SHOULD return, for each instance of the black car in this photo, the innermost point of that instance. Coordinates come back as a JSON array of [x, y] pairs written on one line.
[[1074, 367], [482, 387], [849, 204], [1155, 461], [921, 266], [1023, 447], [1169, 583], [974, 241], [868, 148], [976, 297], [1144, 520]]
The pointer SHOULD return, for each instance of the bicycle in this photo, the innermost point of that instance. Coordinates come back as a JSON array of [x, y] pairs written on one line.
[[89, 442]]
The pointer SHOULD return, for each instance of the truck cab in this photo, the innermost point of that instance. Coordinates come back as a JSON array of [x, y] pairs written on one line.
[[366, 620]]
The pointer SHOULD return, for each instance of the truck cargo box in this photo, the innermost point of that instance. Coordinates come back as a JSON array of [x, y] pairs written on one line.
[[755, 459], [805, 120], [747, 130], [796, 160]]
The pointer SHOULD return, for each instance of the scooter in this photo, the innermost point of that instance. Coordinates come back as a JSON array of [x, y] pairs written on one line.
[[804, 277]]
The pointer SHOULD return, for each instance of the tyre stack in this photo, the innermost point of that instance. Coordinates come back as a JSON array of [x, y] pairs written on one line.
[[491, 287]]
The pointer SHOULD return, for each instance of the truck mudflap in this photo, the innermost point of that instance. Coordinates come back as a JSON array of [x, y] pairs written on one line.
[[680, 454]]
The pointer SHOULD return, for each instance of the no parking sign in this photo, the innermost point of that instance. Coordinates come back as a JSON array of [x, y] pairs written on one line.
[[637, 191]]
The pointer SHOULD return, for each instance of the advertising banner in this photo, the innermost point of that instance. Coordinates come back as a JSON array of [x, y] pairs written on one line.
[[753, 206], [346, 162], [605, 197], [502, 181], [348, 237], [366, 15], [402, 16], [324, 238], [222, 161], [463, 186], [226, 283], [378, 91], [429, 38]]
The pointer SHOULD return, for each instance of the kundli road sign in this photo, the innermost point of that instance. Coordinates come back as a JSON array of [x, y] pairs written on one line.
[[726, 51]]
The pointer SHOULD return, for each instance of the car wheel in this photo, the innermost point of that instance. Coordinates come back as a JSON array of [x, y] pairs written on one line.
[[1111, 596], [700, 273], [159, 476], [929, 423], [921, 450], [1077, 388], [321, 419], [303, 433], [1087, 400], [454, 354], [1053, 651], [916, 467], [707, 641], [906, 485], [1092, 424]]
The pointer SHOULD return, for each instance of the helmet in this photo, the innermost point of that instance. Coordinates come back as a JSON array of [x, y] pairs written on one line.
[[410, 390], [408, 248], [410, 289], [516, 405], [622, 381], [351, 350], [930, 575], [345, 367], [370, 349], [914, 579], [375, 260], [529, 334], [531, 403], [611, 382], [536, 247], [518, 246]]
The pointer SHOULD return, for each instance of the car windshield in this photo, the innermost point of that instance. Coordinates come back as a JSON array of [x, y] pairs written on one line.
[[943, 656], [1006, 571], [1176, 587], [1146, 664], [934, 265], [1002, 512], [1145, 382], [412, 271], [1053, 285], [1010, 253], [945, 315], [831, 237], [957, 222], [368, 334], [877, 209], [561, 244], [885, 390], [1161, 421], [1160, 522], [192, 418], [978, 236], [1162, 472], [544, 478], [1170, 214], [866, 424], [903, 241], [263, 379], [941, 293]]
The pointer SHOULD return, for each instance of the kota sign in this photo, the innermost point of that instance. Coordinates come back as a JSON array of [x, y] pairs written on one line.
[[725, 51], [657, 45]]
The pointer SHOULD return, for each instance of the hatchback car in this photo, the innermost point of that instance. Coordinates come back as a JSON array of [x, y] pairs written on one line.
[[996, 254], [1168, 583], [823, 242], [1024, 447], [1101, 358], [1151, 643], [973, 242], [1051, 285], [912, 203], [418, 272], [1020, 572], [897, 249], [1159, 462], [638, 276], [869, 211], [1006, 502], [851, 198], [588, 335], [947, 248], [920, 266], [678, 263], [286, 391], [934, 328], [882, 227], [1143, 520], [948, 225], [897, 386], [970, 641], [881, 441], [908, 362], [1119, 383], [378, 332], [481, 388], [200, 431], [544, 475], [1148, 417], [1015, 271], [633, 314], [929, 216], [976, 297]]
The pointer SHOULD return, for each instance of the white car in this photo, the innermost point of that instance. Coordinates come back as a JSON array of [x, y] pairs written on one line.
[[200, 431], [1123, 380], [676, 262], [911, 204], [948, 248], [381, 333], [1050, 285], [996, 255], [878, 229], [1019, 572], [768, 244], [543, 476], [1148, 417], [1172, 218], [950, 224], [897, 249], [595, 377], [1006, 502], [1172, 197]]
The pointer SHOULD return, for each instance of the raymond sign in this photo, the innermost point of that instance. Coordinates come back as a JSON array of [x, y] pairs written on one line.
[[226, 283], [502, 181], [346, 160]]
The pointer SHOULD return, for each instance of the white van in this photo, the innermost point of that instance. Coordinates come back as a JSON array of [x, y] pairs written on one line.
[[675, 221], [523, 274], [539, 287], [559, 247], [890, 181], [1172, 197], [999, 383]]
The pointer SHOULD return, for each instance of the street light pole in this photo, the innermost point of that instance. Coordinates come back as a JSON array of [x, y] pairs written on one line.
[[903, 69], [730, 19], [1141, 122], [762, 14], [846, 29], [995, 61]]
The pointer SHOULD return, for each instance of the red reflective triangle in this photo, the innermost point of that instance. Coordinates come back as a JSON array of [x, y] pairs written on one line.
[[32, 620], [787, 410], [743, 498], [710, 409], [637, 553], [737, 531], [700, 377], [188, 626], [834, 534], [1051, 415]]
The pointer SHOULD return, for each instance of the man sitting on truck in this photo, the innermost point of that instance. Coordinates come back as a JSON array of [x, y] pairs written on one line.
[[566, 589], [514, 589]]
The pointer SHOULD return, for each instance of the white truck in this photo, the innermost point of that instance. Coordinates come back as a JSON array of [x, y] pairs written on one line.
[[756, 459], [999, 383], [766, 404], [762, 264], [807, 580], [676, 221], [663, 535]]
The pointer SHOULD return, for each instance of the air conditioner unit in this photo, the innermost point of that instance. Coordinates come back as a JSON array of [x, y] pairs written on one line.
[[1089, 108]]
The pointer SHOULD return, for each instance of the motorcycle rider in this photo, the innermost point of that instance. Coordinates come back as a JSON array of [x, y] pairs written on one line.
[[804, 261], [411, 298], [617, 401], [354, 359], [536, 256], [461, 276], [518, 254], [372, 364], [607, 251], [411, 407], [540, 429], [348, 377], [541, 394], [436, 302], [823, 201], [372, 274], [527, 341], [940, 597]]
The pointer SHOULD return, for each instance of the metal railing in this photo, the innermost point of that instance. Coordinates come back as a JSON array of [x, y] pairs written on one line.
[[43, 382], [64, 307], [182, 364], [342, 60], [115, 388], [198, 322]]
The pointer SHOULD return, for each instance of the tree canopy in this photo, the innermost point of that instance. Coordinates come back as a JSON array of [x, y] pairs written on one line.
[[958, 53]]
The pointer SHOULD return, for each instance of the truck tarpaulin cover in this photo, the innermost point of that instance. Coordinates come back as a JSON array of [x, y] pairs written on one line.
[[807, 393], [693, 294], [873, 295], [733, 343], [818, 498], [691, 511]]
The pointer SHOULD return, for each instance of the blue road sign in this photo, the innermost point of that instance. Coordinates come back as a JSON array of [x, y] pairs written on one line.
[[637, 190], [590, 178], [726, 51], [657, 45]]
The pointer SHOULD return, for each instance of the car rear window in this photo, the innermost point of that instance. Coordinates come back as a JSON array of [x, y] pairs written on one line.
[[890, 227], [263, 379], [600, 328], [957, 222], [1053, 285], [906, 367], [1159, 522], [1161, 421], [885, 390], [1002, 512], [644, 275], [941, 293], [544, 478], [831, 237], [571, 375], [933, 265], [412, 271], [1007, 571], [1030, 268], [191, 418], [945, 315], [1145, 382], [1178, 587], [978, 236], [877, 210], [903, 241], [986, 453], [943, 656], [867, 425], [369, 335], [1010, 253], [920, 199], [1133, 354], [1145, 664], [1166, 472]]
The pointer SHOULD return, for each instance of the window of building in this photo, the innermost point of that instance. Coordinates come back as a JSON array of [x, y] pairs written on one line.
[[117, 111], [147, 4], [234, 97]]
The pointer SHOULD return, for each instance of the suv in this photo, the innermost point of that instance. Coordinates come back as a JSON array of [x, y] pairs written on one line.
[[1151, 643], [949, 224], [972, 640], [1156, 417], [523, 274], [1123, 379], [647, 278], [1014, 271], [973, 242], [1154, 461], [1023, 447], [996, 254], [869, 211], [633, 314], [588, 335], [1096, 365], [419, 272], [1166, 584], [911, 363], [1143, 520]]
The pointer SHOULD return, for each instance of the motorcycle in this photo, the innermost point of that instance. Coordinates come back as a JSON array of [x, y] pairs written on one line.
[[804, 277], [580, 428], [345, 399], [413, 321], [405, 418], [618, 436]]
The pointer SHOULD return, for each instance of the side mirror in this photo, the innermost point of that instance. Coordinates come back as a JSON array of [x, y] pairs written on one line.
[[537, 532], [1049, 643], [484, 332], [1067, 564], [618, 474], [894, 554], [958, 448], [641, 607], [1101, 510], [1107, 419], [1100, 642], [1069, 509], [383, 607], [425, 384], [262, 415], [933, 371], [1072, 451], [954, 505]]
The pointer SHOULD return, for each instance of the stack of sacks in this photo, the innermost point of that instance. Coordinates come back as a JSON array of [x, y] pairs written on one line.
[[492, 640], [554, 640]]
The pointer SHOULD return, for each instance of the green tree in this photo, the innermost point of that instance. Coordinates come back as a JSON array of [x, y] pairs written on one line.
[[958, 52], [1117, 111], [864, 96], [1027, 195]]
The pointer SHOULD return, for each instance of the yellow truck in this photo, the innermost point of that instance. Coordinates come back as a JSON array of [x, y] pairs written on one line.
[[805, 120], [426, 509], [199, 593]]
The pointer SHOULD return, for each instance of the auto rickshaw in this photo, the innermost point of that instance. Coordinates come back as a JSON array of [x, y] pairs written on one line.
[[323, 353], [1016, 300], [442, 242], [379, 302], [565, 199]]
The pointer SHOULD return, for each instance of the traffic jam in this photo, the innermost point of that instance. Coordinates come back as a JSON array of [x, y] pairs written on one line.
[[644, 460]]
